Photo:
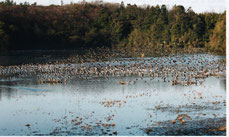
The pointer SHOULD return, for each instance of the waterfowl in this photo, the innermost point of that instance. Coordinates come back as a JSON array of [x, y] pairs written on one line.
[[122, 82], [183, 121], [173, 121]]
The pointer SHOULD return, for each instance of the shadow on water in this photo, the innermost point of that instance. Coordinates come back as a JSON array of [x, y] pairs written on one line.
[[39, 56], [223, 84]]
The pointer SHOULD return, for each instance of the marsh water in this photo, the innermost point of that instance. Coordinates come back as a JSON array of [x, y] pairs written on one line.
[[103, 106]]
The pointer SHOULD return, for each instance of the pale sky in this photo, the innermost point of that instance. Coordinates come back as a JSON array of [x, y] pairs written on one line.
[[197, 5]]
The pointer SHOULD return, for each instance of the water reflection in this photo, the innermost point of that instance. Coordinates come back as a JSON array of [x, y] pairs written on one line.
[[0, 94], [34, 56], [223, 84]]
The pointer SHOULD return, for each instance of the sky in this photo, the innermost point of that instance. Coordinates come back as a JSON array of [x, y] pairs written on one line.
[[197, 5]]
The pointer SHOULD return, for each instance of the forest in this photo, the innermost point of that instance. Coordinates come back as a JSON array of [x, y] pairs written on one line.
[[98, 24]]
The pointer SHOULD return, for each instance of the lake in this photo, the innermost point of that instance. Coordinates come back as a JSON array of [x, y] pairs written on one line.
[[123, 96]]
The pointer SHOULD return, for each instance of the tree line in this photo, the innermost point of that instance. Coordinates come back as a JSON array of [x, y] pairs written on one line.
[[90, 25]]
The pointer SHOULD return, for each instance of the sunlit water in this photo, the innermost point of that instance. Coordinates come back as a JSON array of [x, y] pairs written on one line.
[[81, 107]]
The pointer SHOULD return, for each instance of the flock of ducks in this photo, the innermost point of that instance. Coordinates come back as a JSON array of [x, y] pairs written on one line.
[[178, 69]]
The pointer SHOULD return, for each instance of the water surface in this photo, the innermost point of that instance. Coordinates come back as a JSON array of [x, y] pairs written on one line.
[[103, 106]]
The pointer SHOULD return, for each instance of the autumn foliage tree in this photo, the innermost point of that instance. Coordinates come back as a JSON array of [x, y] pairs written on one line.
[[218, 37]]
